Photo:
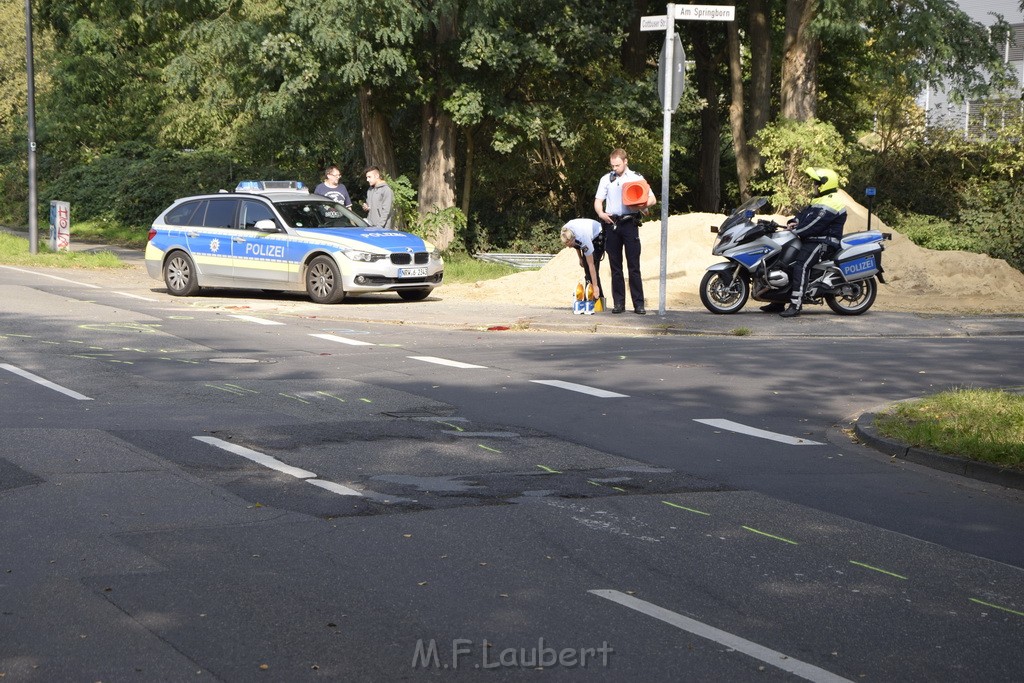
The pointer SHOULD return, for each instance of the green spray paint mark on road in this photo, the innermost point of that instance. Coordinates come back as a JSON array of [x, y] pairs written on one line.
[[876, 569], [683, 507], [1005, 609], [765, 533]]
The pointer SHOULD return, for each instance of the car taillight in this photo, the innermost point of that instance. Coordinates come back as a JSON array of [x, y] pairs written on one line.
[[152, 234]]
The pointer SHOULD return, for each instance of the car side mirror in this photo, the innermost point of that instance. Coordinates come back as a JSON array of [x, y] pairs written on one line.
[[266, 225]]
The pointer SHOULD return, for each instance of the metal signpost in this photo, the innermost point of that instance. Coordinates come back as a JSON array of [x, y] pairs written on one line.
[[671, 77], [33, 225]]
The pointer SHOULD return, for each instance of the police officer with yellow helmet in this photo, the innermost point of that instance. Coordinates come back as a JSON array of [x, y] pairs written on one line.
[[819, 226]]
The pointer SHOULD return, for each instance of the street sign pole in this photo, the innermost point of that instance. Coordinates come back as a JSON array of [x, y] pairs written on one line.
[[670, 99], [33, 225], [666, 148]]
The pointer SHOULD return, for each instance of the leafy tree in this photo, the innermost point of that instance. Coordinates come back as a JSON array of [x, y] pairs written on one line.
[[788, 147], [866, 47], [14, 106]]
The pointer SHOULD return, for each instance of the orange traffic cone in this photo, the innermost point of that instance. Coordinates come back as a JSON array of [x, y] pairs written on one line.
[[635, 194]]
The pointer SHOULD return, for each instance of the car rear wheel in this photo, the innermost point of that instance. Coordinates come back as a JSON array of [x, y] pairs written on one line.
[[323, 281], [180, 274], [413, 294]]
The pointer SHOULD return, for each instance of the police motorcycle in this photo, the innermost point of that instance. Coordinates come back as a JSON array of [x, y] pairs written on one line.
[[760, 251]]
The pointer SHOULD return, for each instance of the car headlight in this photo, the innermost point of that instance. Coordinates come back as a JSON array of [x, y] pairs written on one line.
[[363, 256]]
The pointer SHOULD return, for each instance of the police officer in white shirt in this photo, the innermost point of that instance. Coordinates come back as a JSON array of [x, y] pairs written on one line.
[[622, 231], [587, 238]]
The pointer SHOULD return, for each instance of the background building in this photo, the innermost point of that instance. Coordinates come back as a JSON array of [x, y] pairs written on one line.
[[977, 117]]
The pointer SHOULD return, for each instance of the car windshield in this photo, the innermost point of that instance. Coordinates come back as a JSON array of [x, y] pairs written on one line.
[[314, 213]]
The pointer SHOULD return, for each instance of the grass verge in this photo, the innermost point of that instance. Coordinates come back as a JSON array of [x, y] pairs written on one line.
[[465, 268], [104, 231], [14, 251], [983, 425]]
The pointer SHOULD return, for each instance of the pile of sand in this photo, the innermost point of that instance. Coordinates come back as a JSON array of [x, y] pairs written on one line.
[[918, 279]]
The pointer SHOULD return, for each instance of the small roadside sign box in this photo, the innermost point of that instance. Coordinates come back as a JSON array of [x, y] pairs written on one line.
[[60, 226]]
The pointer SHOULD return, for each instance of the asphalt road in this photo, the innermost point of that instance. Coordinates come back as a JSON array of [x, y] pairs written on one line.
[[240, 487]]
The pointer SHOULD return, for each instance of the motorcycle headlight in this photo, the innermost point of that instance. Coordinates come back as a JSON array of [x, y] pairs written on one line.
[[364, 256]]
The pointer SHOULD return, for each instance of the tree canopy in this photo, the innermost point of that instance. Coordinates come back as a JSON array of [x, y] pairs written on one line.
[[503, 111]]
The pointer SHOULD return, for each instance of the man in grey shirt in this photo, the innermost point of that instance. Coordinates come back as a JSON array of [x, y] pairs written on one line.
[[380, 200]]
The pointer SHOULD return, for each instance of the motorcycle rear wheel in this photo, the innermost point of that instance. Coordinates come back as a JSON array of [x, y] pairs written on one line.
[[721, 293], [853, 298]]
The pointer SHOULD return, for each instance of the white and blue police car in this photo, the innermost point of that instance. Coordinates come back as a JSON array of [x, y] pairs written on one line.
[[276, 236]]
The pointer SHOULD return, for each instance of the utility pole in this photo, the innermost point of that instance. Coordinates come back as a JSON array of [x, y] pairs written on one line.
[[33, 224]]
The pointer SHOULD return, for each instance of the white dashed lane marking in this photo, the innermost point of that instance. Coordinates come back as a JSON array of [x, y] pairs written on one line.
[[342, 340], [275, 464], [779, 660], [731, 426], [256, 457], [258, 321], [135, 296], [581, 388], [44, 382], [449, 363], [52, 277]]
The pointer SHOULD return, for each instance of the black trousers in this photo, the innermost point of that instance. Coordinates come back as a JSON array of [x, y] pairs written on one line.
[[624, 236], [809, 254]]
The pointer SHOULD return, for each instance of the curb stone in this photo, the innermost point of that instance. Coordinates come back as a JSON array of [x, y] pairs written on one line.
[[864, 428]]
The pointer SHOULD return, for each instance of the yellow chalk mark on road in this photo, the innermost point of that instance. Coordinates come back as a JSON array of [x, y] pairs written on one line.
[[366, 400], [248, 391], [549, 470], [765, 533], [999, 607], [683, 507], [455, 427], [330, 395], [488, 448], [297, 398], [228, 390], [877, 569]]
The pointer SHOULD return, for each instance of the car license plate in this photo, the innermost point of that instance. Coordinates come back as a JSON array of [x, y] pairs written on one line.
[[412, 272]]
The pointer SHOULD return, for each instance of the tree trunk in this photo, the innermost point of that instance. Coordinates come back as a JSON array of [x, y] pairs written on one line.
[[378, 148], [706, 64], [759, 31], [740, 145], [437, 133], [634, 49], [800, 49], [437, 165], [747, 119], [467, 170]]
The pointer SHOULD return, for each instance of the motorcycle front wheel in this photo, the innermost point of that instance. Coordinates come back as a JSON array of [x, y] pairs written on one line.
[[720, 292], [853, 298]]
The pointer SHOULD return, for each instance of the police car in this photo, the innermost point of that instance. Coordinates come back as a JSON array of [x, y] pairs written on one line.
[[275, 235]]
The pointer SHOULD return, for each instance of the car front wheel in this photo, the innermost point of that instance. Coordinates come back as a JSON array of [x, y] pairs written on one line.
[[323, 281]]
